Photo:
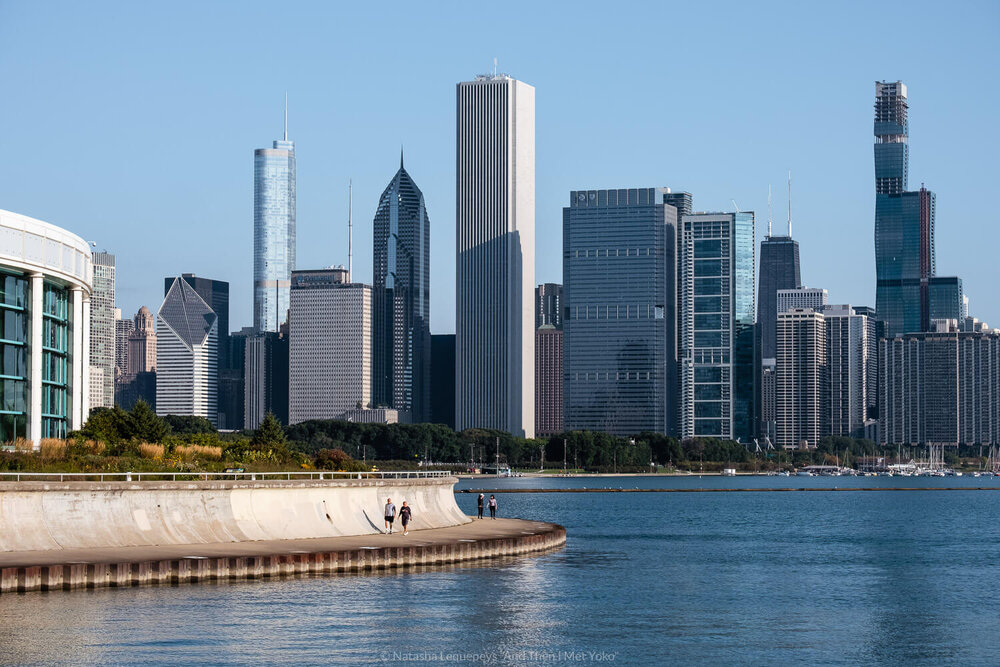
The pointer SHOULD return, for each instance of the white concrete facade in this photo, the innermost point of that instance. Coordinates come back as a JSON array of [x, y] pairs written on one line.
[[495, 239], [44, 255]]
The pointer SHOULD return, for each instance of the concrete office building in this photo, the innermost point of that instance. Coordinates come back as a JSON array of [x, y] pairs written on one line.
[[102, 330], [495, 276], [619, 295], [187, 338], [330, 345], [801, 414], [274, 218], [716, 306], [940, 387], [46, 276]]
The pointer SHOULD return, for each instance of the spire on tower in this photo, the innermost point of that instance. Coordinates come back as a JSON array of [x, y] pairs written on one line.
[[286, 116], [789, 203], [350, 228], [401, 156], [770, 210]]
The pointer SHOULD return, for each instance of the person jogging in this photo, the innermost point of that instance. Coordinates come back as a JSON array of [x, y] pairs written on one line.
[[493, 506], [482, 498], [404, 517], [390, 515]]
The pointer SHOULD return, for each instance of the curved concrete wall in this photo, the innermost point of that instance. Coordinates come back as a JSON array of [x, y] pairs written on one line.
[[42, 516]]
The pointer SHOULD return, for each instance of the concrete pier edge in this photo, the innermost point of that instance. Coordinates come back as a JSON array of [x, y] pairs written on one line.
[[536, 537]]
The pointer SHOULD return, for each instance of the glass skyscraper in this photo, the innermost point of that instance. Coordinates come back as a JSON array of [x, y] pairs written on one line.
[[619, 295], [716, 304], [401, 300], [273, 232]]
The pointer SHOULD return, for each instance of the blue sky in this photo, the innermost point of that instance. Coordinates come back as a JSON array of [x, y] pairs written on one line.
[[134, 124]]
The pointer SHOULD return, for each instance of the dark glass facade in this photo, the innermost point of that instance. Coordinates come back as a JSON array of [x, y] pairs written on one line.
[[401, 300], [619, 290], [443, 379], [779, 269]]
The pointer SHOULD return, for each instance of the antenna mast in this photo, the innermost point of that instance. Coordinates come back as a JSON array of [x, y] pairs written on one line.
[[350, 229], [286, 116], [770, 210], [789, 203]]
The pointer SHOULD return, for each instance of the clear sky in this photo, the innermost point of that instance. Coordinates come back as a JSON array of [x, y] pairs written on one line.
[[133, 124]]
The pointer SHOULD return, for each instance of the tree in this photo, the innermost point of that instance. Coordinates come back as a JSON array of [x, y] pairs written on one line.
[[188, 424], [270, 433], [107, 425], [144, 424]]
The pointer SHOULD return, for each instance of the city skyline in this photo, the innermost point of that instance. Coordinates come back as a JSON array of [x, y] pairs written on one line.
[[337, 139]]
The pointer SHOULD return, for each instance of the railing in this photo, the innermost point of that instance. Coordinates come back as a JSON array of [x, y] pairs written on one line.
[[208, 476]]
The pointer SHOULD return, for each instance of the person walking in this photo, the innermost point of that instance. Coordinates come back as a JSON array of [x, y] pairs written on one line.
[[404, 517], [482, 498], [390, 515], [493, 506]]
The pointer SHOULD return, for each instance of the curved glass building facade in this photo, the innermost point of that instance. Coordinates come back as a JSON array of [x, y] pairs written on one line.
[[46, 279], [273, 233]]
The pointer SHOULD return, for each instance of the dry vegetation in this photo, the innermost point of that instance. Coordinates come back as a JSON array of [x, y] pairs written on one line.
[[192, 452]]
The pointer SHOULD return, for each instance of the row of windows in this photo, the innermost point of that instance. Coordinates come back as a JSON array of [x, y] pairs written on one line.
[[612, 252], [624, 312]]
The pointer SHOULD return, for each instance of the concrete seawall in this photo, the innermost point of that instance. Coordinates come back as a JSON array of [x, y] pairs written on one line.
[[137, 566], [45, 516]]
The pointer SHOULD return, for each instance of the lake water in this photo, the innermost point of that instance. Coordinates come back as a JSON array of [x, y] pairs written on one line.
[[645, 578]]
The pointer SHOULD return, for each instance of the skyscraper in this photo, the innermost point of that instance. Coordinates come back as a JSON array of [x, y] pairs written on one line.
[[716, 306], [801, 407], [779, 269], [801, 297], [266, 378], [851, 351], [142, 343], [330, 345], [102, 331], [187, 368], [401, 300], [123, 330], [495, 234], [549, 305], [443, 379], [273, 231], [619, 290]]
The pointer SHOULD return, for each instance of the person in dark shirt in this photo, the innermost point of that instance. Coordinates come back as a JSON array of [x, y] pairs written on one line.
[[481, 499], [405, 514], [493, 506]]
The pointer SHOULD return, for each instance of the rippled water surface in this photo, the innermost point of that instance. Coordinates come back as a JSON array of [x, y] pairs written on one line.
[[645, 578]]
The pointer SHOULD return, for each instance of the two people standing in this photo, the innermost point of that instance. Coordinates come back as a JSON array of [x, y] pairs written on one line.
[[405, 515], [492, 505]]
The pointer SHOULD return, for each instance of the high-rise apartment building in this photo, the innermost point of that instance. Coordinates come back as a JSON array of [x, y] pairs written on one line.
[[801, 414], [940, 387], [273, 232], [187, 370], [716, 306], [801, 297], [851, 354], [495, 234], [102, 330], [619, 296], [330, 345], [548, 380], [123, 330], [401, 300], [549, 305]]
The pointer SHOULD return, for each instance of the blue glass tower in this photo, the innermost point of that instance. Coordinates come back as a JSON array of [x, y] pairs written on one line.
[[401, 332], [273, 232]]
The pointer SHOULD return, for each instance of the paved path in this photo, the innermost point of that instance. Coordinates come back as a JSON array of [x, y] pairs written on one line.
[[477, 530]]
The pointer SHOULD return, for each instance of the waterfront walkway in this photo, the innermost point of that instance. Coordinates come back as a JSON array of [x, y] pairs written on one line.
[[171, 564]]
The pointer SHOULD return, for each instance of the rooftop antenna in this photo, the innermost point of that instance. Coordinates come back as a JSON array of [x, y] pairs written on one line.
[[789, 203], [350, 228], [494, 67], [735, 205], [770, 210], [286, 116]]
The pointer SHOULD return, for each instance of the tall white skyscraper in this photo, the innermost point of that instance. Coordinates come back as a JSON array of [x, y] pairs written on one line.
[[187, 367], [330, 345], [495, 235], [102, 331]]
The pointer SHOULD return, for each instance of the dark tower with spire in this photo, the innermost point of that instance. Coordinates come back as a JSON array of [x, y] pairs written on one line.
[[401, 299]]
